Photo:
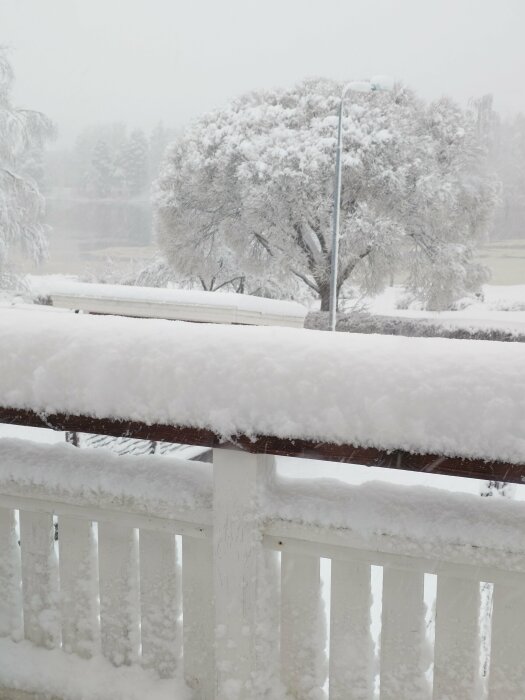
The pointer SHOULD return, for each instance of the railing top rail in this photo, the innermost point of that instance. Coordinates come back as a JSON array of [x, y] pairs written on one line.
[[310, 449], [417, 403]]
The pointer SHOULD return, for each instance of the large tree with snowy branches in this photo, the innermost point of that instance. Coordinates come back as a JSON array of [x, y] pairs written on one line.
[[22, 134], [247, 192]]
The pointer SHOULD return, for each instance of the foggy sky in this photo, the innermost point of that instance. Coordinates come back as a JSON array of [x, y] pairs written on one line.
[[141, 61]]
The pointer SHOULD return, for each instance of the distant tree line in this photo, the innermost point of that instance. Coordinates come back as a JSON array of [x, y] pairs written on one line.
[[508, 158], [107, 161]]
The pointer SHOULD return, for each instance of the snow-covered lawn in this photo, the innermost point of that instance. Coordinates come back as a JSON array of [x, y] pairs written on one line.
[[499, 307]]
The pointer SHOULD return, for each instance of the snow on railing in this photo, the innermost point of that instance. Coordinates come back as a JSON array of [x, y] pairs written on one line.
[[212, 574]]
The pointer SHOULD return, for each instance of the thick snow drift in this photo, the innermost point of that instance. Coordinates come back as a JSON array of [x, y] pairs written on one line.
[[451, 397]]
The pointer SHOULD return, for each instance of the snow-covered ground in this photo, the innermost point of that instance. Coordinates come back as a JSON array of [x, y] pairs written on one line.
[[499, 307]]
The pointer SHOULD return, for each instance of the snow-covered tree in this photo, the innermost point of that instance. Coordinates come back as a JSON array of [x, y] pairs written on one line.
[[159, 140], [508, 157], [22, 135], [135, 163], [252, 185], [97, 169], [102, 172]]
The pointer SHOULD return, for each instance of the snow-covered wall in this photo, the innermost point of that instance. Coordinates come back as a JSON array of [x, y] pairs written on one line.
[[452, 397]]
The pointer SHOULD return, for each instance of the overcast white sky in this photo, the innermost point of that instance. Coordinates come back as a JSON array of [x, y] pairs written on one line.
[[140, 61]]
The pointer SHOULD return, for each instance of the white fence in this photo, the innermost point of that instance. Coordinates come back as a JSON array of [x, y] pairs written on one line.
[[229, 596]]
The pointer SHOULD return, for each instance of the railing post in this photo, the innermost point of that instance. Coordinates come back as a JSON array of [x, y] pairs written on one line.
[[246, 581]]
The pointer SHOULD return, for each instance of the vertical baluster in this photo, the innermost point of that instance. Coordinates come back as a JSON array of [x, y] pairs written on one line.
[[456, 649], [78, 586], [351, 647], [507, 649], [119, 599], [198, 616], [247, 629], [39, 579], [10, 577], [159, 601], [303, 627], [403, 636]]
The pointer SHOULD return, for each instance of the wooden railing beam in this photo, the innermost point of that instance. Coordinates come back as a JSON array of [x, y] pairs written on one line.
[[268, 444]]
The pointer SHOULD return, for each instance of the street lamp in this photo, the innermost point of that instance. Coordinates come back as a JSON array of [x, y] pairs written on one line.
[[373, 85]]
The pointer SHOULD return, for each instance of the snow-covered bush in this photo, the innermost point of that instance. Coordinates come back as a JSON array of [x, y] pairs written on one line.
[[22, 134], [247, 193]]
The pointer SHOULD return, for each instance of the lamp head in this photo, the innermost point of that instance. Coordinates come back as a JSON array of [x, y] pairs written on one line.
[[378, 83], [382, 82]]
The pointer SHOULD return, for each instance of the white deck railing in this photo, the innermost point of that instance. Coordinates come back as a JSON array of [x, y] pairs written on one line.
[[143, 577], [224, 588]]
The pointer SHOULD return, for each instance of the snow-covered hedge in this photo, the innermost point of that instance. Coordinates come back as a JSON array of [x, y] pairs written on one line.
[[464, 398], [460, 329]]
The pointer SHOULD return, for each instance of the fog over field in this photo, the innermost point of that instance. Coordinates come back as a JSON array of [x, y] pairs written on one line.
[[123, 80]]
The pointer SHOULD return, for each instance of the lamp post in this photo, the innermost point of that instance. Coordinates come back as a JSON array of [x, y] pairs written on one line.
[[356, 86]]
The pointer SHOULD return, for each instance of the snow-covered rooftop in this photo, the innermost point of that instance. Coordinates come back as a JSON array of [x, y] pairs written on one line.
[[176, 304], [429, 395]]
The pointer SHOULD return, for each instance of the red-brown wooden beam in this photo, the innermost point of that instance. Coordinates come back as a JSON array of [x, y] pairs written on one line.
[[288, 447]]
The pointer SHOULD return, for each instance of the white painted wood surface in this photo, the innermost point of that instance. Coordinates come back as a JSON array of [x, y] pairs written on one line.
[[39, 579], [253, 625], [303, 627], [78, 586], [402, 672], [198, 616], [246, 636], [351, 647], [10, 575], [507, 652], [457, 643], [159, 602], [119, 595]]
